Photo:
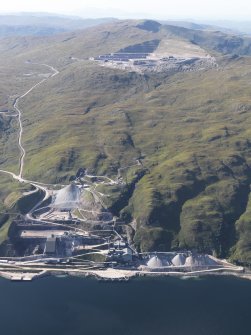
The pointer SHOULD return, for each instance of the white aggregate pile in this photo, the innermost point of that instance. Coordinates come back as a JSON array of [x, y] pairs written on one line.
[[67, 198], [154, 262], [179, 260], [191, 261], [200, 260]]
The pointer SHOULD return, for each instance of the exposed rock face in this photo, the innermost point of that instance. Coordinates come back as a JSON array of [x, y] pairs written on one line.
[[150, 25]]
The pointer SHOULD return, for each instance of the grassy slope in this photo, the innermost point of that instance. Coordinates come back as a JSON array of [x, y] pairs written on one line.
[[10, 194], [191, 128]]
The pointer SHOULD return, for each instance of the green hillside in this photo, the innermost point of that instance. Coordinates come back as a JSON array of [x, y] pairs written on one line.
[[190, 130]]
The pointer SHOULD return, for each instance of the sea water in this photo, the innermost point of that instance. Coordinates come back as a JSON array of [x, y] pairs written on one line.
[[143, 306]]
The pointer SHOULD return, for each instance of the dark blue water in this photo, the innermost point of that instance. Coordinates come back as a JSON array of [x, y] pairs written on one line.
[[75, 306]]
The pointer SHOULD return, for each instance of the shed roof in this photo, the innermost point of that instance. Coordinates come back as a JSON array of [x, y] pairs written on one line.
[[50, 245]]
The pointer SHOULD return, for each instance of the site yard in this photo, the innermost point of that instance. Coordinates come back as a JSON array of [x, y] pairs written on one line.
[[168, 55]]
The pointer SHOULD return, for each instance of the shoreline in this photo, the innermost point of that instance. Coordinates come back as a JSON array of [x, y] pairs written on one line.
[[135, 274], [24, 272], [119, 275]]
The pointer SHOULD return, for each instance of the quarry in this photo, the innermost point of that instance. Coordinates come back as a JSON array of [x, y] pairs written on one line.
[[72, 226], [71, 232], [167, 56]]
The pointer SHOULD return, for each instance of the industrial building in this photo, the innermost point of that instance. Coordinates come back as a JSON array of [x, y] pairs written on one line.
[[50, 246]]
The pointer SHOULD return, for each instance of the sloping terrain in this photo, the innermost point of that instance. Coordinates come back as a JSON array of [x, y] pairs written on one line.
[[35, 24], [181, 141]]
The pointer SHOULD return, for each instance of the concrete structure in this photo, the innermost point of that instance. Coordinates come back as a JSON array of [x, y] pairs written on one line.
[[50, 246], [123, 255], [127, 255]]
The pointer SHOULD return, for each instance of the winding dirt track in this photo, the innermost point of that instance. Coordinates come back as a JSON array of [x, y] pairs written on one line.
[[19, 177]]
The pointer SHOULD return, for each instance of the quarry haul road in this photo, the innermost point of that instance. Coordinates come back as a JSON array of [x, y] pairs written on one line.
[[22, 150], [19, 177], [38, 185]]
